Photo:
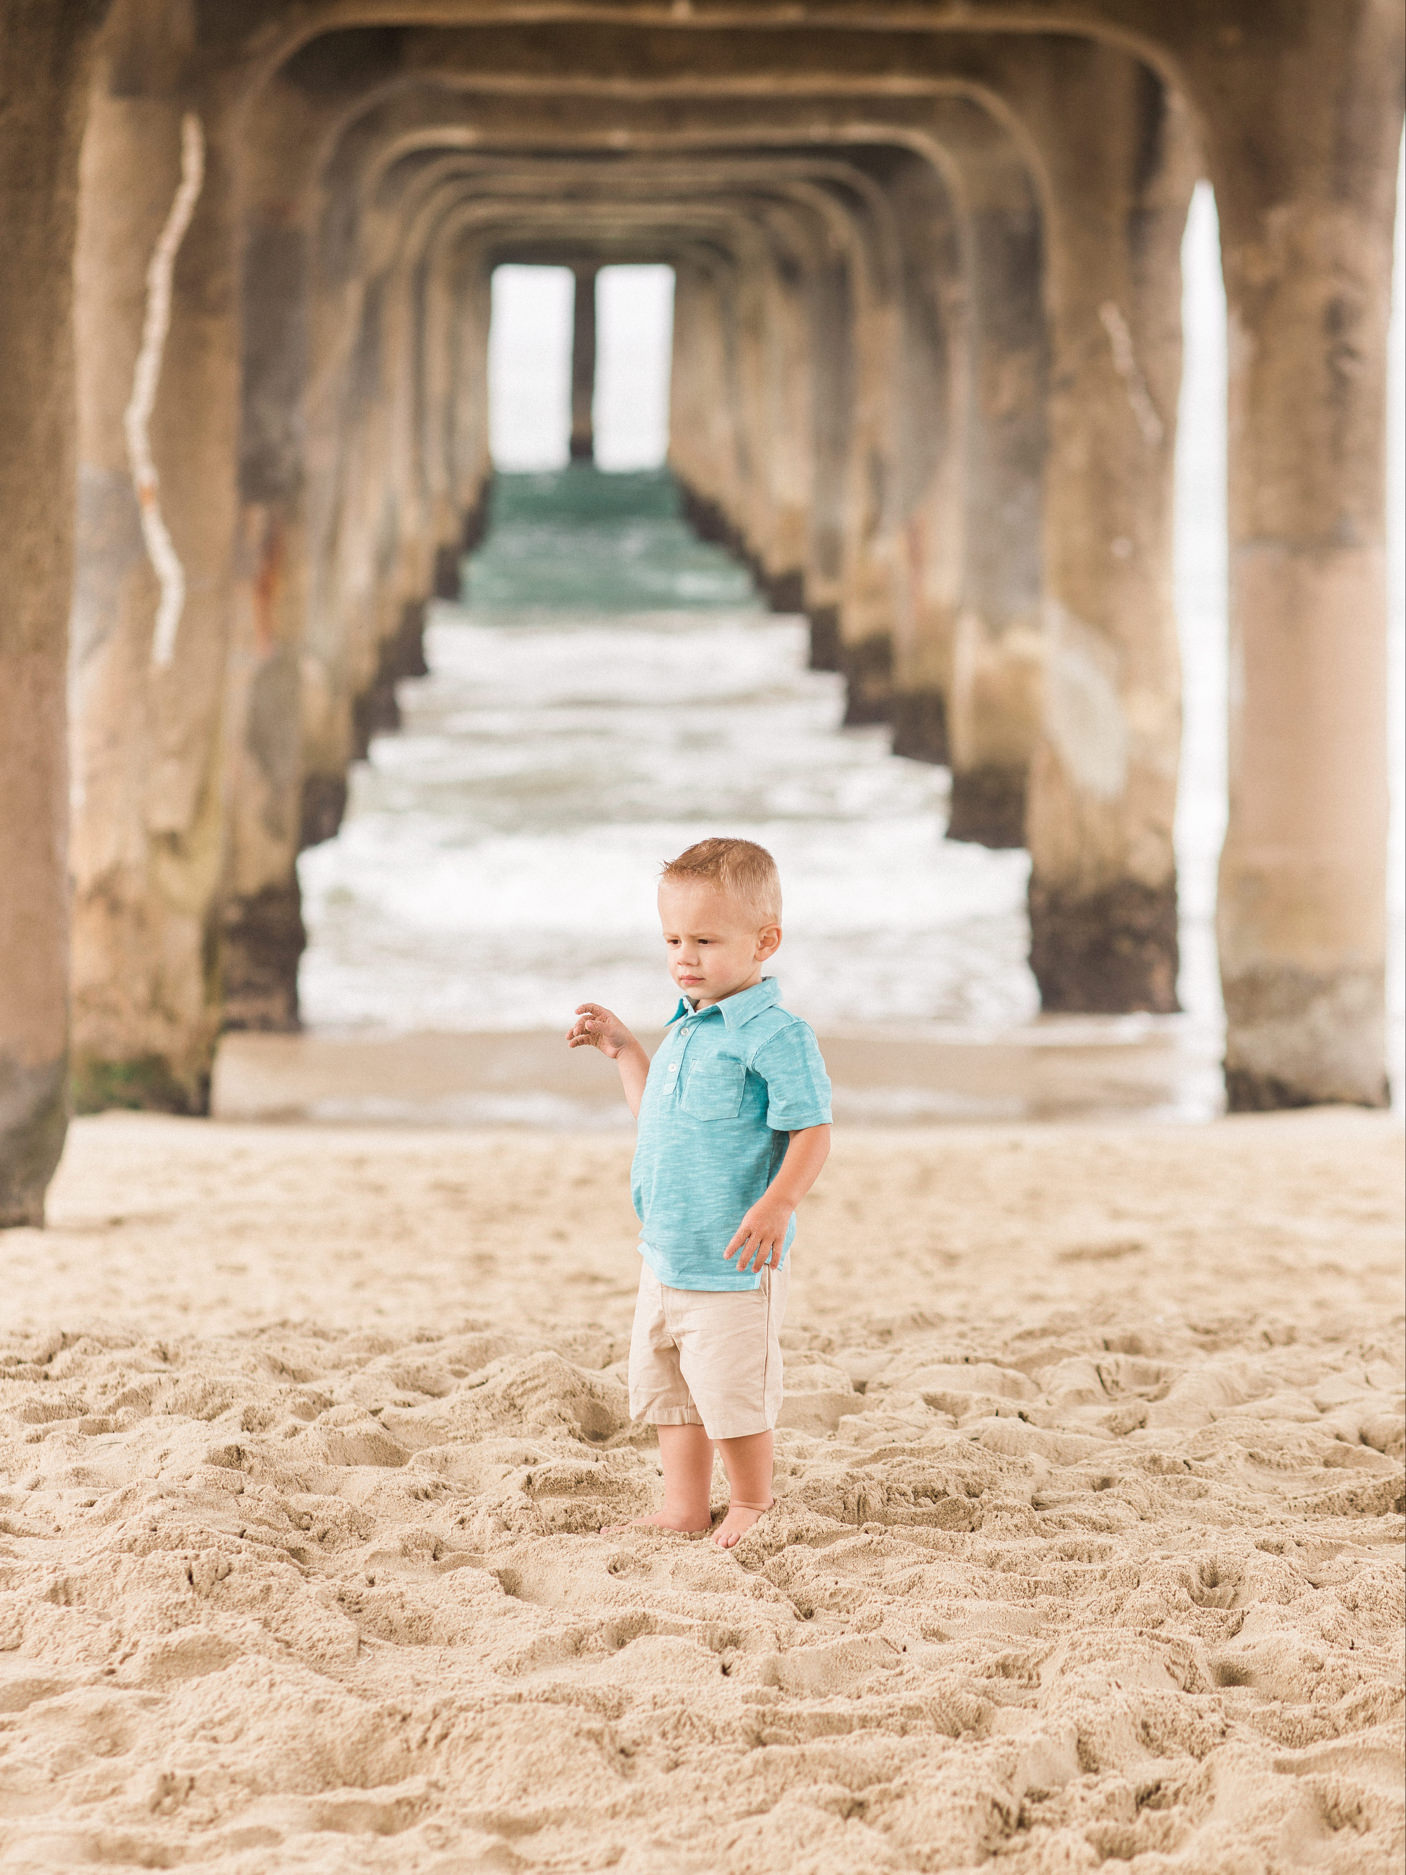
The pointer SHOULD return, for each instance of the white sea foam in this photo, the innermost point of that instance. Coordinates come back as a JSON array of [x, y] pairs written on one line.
[[498, 860]]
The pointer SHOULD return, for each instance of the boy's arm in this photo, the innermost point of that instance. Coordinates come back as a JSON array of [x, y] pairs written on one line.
[[761, 1236], [597, 1027]]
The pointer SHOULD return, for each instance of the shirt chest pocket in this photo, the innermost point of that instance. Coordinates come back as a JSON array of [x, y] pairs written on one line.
[[712, 1090]]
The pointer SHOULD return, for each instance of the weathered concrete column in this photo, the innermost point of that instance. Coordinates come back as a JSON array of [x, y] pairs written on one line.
[[443, 334], [261, 926], [689, 438], [471, 460], [1119, 167], [703, 441], [376, 525], [468, 459], [158, 396], [996, 698], [932, 423], [874, 546], [832, 417], [760, 376], [1303, 147], [766, 333], [583, 366], [788, 423], [345, 412], [45, 52]]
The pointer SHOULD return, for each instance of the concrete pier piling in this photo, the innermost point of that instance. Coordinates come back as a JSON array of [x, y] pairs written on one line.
[[582, 444]]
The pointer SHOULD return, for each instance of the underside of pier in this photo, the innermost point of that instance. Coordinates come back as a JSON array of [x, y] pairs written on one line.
[[926, 365]]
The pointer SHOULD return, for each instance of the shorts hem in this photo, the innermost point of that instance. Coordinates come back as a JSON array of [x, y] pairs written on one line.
[[671, 1416], [756, 1423]]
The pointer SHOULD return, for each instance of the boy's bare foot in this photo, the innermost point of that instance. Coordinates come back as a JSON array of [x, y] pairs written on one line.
[[661, 1520], [739, 1519]]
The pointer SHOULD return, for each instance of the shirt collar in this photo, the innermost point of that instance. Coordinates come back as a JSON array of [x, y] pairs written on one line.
[[735, 1010]]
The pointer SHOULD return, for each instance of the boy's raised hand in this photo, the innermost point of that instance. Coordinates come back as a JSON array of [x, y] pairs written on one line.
[[598, 1027]]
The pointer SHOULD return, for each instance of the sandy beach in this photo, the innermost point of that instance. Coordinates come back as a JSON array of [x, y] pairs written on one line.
[[1087, 1547]]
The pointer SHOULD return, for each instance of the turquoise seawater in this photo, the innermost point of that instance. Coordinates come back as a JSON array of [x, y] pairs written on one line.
[[576, 540]]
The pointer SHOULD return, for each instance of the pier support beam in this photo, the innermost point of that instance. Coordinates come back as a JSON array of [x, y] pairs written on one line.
[[261, 926], [931, 429], [158, 399], [832, 418], [1303, 160], [995, 704], [1120, 166], [583, 366], [40, 129], [874, 543], [702, 443]]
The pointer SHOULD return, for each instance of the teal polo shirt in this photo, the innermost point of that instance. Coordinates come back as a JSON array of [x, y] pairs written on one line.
[[726, 1089]]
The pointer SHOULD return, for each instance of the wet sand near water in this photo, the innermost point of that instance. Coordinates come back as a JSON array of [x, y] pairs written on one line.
[[1059, 1068], [1086, 1550]]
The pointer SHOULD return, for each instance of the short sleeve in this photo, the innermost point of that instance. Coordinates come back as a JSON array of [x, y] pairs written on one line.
[[797, 1086]]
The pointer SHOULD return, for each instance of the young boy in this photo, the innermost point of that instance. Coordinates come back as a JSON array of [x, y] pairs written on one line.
[[734, 1126]]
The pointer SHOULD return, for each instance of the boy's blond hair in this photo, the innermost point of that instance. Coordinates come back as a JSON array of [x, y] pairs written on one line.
[[740, 868]]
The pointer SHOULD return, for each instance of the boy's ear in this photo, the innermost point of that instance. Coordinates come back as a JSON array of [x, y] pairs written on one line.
[[768, 940]]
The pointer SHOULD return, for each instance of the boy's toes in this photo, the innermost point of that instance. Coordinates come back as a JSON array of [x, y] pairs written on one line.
[[737, 1523]]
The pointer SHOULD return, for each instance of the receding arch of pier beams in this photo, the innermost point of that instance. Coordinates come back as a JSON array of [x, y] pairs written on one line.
[[262, 920], [267, 914], [983, 168], [871, 590], [1297, 116]]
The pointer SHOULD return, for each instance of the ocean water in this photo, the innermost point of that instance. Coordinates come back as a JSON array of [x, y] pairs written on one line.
[[498, 864], [611, 690]]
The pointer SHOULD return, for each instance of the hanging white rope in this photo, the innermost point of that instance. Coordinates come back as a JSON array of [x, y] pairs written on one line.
[[136, 420]]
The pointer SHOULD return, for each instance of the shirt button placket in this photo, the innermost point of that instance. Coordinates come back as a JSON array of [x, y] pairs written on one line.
[[685, 1029]]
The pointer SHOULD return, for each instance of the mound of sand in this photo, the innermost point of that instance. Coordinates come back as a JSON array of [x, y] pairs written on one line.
[[1086, 1551]]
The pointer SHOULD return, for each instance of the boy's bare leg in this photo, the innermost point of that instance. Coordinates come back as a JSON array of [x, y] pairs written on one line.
[[686, 1453], [748, 1464]]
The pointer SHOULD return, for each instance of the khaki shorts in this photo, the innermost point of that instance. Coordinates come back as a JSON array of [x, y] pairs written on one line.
[[709, 1357]]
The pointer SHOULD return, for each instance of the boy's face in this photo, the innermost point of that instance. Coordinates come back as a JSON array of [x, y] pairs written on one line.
[[716, 945]]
